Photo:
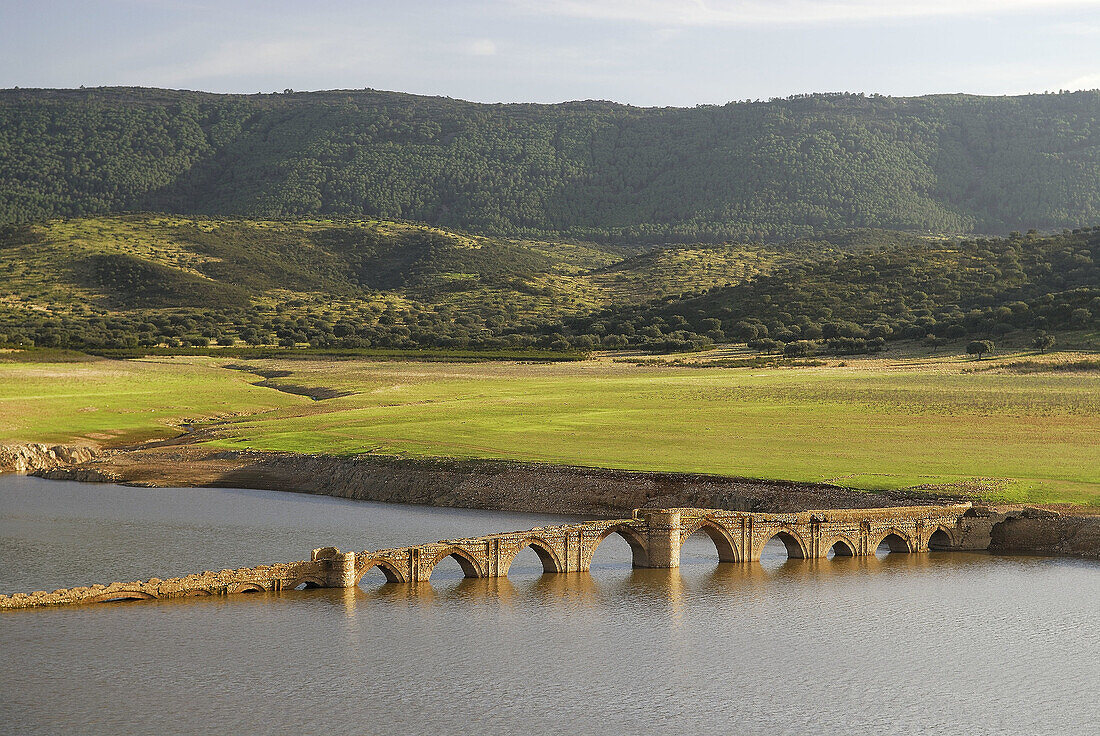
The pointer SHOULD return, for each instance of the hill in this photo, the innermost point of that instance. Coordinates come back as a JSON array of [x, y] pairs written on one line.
[[745, 171], [855, 302], [139, 281], [144, 280]]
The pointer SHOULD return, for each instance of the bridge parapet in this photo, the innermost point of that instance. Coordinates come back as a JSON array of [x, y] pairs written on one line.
[[654, 536]]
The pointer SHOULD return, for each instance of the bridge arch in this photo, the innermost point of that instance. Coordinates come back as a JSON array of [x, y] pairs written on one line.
[[247, 588], [546, 555], [895, 539], [728, 550], [305, 582], [639, 555], [941, 538], [842, 546], [792, 540], [393, 575], [120, 595], [466, 561]]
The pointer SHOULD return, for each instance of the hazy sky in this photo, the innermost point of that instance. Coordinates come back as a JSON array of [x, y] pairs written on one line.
[[645, 52]]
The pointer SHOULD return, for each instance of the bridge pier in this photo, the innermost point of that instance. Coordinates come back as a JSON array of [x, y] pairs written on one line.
[[342, 574], [340, 570], [663, 537]]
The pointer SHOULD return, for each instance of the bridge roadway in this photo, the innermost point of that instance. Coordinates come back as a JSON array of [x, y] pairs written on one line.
[[654, 537]]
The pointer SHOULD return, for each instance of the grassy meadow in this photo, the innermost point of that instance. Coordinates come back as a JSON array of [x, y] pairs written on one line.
[[115, 402], [935, 424]]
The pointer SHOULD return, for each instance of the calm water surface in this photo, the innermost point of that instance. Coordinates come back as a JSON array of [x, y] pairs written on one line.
[[934, 643]]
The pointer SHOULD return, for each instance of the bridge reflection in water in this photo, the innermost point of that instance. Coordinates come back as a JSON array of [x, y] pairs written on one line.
[[655, 538], [614, 582]]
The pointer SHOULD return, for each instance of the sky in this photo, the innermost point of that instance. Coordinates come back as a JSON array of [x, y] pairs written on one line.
[[642, 52]]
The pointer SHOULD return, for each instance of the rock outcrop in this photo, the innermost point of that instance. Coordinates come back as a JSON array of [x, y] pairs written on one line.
[[35, 456]]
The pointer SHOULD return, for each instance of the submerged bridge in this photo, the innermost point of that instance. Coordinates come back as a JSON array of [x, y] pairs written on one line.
[[654, 536]]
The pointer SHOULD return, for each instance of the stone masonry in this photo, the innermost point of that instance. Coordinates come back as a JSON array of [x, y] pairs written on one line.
[[654, 537]]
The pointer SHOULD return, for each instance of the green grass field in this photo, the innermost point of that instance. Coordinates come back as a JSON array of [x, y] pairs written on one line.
[[115, 402], [873, 424]]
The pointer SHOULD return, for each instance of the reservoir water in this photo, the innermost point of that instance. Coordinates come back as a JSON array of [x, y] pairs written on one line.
[[903, 644]]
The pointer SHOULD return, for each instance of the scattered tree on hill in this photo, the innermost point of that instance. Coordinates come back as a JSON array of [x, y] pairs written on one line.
[[933, 342], [855, 302], [349, 285], [980, 348], [798, 349], [1043, 342]]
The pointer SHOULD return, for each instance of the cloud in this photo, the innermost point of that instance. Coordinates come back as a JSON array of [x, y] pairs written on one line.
[[481, 47], [239, 58], [248, 57], [782, 12], [1083, 30], [1086, 81]]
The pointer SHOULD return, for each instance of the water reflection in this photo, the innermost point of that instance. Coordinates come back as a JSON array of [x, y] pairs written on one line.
[[575, 588], [830, 586], [617, 580]]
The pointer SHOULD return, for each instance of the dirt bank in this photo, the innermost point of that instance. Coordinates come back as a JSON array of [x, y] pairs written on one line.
[[1044, 533], [507, 486]]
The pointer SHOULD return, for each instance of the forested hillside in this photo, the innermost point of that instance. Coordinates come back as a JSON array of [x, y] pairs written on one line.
[[740, 172]]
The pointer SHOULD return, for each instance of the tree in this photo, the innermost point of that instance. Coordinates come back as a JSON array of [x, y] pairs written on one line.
[[798, 349], [933, 342], [980, 348], [766, 345], [748, 331], [1043, 342]]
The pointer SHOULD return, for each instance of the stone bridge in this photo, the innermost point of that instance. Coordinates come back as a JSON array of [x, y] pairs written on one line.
[[654, 536]]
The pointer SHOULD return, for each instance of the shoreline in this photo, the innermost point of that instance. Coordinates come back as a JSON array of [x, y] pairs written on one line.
[[500, 485], [503, 485]]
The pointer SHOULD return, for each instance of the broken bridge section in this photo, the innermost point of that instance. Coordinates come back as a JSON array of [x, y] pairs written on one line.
[[654, 536]]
